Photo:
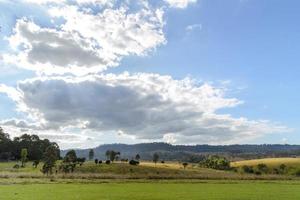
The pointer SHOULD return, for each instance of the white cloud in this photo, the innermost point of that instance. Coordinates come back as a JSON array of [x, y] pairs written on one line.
[[144, 106], [50, 51], [87, 42], [180, 3], [99, 2]]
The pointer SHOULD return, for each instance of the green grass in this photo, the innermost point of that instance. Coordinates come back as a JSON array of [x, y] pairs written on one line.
[[90, 171], [154, 191]]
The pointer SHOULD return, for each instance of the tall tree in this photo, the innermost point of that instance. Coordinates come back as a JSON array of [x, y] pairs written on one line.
[[91, 154], [24, 154], [50, 157], [155, 157], [137, 157], [107, 154]]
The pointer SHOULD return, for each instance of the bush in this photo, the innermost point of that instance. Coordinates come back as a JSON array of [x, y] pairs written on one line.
[[257, 173], [216, 162], [263, 168], [134, 162], [16, 166], [35, 163], [297, 173], [248, 169]]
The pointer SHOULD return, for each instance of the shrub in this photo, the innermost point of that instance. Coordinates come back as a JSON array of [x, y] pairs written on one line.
[[16, 166], [283, 168], [216, 162], [134, 162], [80, 161], [263, 168], [35, 163], [248, 169], [297, 173], [257, 173]]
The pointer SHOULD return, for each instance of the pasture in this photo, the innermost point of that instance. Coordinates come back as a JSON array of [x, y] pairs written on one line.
[[154, 191], [272, 162]]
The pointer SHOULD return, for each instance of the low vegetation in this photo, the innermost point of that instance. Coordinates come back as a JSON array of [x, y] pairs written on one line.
[[282, 166], [150, 191]]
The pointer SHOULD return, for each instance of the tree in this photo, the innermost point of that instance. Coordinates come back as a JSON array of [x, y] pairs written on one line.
[[155, 158], [71, 156], [91, 154], [69, 162], [24, 154], [50, 157], [107, 154], [112, 155], [138, 157], [185, 165], [5, 146]]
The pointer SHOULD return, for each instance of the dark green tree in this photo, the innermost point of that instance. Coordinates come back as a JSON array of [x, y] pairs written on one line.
[[112, 155], [137, 157], [51, 155], [69, 162], [184, 165], [155, 158]]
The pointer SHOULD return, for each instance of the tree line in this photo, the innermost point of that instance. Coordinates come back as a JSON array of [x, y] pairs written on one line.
[[29, 147]]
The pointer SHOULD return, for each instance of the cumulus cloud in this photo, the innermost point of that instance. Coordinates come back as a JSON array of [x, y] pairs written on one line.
[[180, 3], [87, 42], [144, 106], [42, 47]]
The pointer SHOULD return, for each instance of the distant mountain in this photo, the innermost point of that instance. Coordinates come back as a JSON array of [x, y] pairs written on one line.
[[192, 153]]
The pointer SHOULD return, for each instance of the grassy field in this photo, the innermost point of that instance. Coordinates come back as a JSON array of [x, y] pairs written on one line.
[[154, 191], [147, 170], [272, 162], [121, 181]]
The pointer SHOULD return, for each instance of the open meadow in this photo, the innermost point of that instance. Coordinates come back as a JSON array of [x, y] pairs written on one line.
[[154, 191], [146, 181]]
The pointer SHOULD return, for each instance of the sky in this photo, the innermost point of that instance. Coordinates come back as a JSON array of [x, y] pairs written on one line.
[[90, 72]]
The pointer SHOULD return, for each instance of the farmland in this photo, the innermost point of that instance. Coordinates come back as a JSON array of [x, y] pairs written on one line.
[[146, 181], [272, 162], [153, 191]]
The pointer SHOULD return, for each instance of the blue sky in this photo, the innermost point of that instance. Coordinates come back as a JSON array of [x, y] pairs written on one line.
[[246, 48]]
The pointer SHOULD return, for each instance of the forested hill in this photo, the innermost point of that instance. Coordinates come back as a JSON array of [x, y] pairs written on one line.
[[193, 152]]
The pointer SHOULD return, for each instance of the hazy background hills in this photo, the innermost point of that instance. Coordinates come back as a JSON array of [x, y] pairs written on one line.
[[192, 153]]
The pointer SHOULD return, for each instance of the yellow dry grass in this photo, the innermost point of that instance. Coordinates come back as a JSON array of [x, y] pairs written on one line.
[[272, 162]]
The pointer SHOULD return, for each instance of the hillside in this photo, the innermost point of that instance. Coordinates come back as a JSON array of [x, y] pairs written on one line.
[[193, 153]]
